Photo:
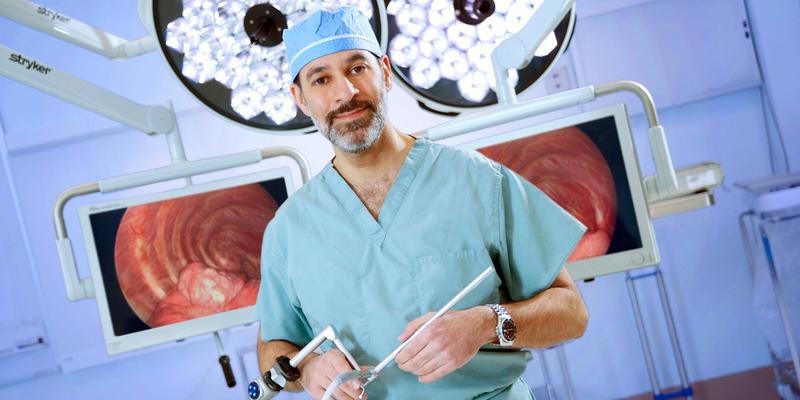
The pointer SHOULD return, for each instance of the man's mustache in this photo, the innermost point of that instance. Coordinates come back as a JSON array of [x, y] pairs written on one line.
[[347, 107]]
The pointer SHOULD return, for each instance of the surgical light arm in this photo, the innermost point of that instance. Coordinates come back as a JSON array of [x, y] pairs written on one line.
[[517, 51], [63, 27], [24, 69], [77, 288]]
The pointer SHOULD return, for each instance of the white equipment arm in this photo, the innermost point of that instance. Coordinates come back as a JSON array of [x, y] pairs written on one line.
[[517, 51], [68, 29], [666, 180], [24, 69]]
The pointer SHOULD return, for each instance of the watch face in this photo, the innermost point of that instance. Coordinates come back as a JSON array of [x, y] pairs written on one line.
[[509, 330]]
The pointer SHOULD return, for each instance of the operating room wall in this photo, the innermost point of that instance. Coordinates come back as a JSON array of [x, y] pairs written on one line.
[[774, 26], [50, 146], [22, 320]]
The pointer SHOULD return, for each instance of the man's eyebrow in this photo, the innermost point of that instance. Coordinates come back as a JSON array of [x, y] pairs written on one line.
[[354, 58], [322, 68], [315, 70]]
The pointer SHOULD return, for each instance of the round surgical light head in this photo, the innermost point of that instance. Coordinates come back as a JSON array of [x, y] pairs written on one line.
[[230, 54], [441, 49]]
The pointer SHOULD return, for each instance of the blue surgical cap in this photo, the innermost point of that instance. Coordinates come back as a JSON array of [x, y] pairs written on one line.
[[328, 32]]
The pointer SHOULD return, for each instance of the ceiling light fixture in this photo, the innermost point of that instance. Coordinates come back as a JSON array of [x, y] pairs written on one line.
[[230, 55]]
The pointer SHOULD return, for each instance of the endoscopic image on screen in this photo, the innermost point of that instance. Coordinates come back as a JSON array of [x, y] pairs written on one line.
[[183, 258], [582, 169]]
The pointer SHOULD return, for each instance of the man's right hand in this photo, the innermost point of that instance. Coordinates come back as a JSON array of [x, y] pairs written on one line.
[[319, 371]]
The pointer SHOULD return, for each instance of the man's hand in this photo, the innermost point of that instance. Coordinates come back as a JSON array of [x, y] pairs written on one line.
[[318, 371], [446, 344]]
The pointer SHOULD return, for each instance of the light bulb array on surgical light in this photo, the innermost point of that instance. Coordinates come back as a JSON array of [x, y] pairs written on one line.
[[230, 55], [212, 38], [434, 45]]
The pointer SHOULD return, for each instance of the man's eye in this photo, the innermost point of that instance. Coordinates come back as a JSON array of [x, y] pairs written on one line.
[[358, 69], [319, 81]]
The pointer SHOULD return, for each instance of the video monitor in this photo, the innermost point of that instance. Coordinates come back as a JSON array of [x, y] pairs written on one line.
[[180, 263], [587, 164]]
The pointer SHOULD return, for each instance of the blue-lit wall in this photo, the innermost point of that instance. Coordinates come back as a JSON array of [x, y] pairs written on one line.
[[693, 56]]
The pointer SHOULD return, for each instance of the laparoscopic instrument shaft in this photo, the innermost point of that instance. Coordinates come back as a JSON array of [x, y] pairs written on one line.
[[463, 293], [366, 377]]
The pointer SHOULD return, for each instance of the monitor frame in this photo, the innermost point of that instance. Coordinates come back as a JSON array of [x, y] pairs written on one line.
[[590, 268], [180, 330]]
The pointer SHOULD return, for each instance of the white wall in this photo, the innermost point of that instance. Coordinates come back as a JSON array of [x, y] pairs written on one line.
[[22, 319], [775, 26], [50, 145]]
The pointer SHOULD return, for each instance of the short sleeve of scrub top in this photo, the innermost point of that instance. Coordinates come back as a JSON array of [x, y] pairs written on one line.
[[277, 306], [536, 237]]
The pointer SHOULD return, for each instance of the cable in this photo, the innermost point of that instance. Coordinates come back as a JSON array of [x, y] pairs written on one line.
[[766, 100], [771, 108], [766, 129]]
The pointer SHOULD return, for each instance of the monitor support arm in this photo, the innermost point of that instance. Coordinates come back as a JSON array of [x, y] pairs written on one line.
[[68, 29], [516, 52], [666, 179]]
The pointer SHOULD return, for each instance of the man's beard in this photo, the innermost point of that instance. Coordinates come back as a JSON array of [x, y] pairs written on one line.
[[359, 135]]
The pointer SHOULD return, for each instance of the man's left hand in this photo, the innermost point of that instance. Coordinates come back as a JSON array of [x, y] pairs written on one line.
[[447, 344]]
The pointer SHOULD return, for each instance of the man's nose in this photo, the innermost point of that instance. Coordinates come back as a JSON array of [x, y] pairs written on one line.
[[345, 90]]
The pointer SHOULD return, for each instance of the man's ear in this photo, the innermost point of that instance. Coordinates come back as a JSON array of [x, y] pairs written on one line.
[[297, 96], [386, 68]]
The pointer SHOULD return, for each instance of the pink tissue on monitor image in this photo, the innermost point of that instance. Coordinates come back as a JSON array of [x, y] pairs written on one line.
[[195, 256], [566, 165]]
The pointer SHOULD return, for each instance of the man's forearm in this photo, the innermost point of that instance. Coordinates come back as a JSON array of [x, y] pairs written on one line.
[[553, 316], [269, 351]]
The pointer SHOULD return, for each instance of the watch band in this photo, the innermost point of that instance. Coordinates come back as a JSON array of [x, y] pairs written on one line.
[[506, 328], [498, 309]]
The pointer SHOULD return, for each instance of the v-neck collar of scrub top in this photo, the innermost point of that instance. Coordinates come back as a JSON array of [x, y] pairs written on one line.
[[376, 229]]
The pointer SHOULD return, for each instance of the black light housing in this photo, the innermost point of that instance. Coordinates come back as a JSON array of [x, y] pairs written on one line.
[[440, 36], [230, 55]]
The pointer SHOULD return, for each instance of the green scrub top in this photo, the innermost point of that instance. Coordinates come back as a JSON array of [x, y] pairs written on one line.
[[449, 214]]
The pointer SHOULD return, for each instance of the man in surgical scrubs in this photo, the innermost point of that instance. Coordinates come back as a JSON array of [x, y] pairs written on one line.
[[392, 228]]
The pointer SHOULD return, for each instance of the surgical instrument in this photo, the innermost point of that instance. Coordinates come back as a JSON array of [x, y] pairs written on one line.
[[367, 376]]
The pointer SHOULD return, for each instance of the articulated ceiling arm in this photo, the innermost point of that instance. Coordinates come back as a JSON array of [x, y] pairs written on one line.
[[70, 30], [517, 51]]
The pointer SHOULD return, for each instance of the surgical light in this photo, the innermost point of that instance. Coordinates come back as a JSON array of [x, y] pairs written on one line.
[[230, 54], [441, 49]]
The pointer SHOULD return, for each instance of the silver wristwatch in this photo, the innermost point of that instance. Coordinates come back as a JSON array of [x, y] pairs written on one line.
[[506, 327]]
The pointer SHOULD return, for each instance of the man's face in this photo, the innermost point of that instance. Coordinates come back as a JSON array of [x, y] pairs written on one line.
[[344, 93]]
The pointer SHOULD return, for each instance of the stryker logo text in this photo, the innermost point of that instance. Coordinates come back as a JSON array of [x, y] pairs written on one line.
[[30, 64], [52, 14]]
